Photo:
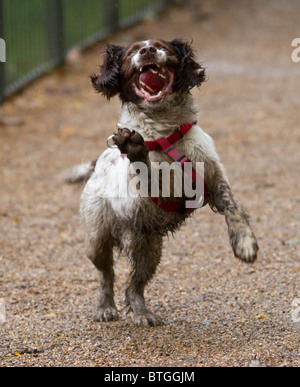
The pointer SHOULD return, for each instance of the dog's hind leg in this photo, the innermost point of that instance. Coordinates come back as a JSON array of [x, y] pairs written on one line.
[[101, 254], [145, 256], [98, 218]]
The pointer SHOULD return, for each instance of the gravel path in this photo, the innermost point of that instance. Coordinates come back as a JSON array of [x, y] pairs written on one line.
[[218, 311]]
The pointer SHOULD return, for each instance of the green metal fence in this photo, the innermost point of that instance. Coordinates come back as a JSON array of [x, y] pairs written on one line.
[[39, 33]]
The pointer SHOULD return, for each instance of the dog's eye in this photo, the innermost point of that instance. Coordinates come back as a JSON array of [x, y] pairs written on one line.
[[163, 49], [131, 53]]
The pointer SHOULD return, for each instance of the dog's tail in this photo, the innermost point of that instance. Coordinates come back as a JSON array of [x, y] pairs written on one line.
[[80, 173]]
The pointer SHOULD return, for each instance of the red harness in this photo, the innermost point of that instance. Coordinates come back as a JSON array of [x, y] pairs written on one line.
[[164, 144]]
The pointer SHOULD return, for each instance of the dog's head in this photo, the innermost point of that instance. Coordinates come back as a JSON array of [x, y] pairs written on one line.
[[148, 72]]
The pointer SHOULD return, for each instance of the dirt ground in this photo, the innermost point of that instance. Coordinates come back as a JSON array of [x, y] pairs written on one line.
[[218, 311]]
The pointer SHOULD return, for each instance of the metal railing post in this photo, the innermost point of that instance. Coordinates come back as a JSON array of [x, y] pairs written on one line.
[[57, 35], [113, 15], [56, 30], [2, 64]]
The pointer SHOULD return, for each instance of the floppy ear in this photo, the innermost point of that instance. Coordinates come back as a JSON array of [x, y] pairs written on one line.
[[190, 72], [108, 81]]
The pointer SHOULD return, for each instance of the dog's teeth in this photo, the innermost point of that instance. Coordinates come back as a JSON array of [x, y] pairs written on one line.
[[146, 87], [162, 76], [141, 69], [153, 71]]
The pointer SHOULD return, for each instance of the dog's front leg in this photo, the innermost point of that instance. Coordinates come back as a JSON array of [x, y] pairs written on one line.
[[241, 236]]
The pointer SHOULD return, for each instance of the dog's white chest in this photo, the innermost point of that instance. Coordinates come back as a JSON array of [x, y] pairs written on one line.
[[110, 182]]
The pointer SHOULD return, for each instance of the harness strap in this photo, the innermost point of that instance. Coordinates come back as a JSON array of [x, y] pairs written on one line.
[[174, 137], [164, 144]]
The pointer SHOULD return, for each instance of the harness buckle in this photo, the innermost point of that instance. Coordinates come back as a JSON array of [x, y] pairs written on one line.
[[166, 151], [108, 140], [179, 132]]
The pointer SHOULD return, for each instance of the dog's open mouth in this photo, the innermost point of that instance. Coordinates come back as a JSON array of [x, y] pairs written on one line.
[[154, 82]]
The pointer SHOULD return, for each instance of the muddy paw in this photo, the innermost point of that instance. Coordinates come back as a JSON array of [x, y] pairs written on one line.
[[245, 246], [147, 319], [132, 144], [106, 314]]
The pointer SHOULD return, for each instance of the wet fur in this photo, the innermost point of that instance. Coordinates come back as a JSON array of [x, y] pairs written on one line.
[[136, 225]]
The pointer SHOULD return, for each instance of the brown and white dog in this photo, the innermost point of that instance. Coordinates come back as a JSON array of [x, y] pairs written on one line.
[[153, 79]]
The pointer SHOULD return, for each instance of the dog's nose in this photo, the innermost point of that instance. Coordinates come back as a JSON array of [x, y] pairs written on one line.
[[148, 50]]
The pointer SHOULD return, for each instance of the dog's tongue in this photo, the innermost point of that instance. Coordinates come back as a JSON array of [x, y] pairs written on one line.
[[152, 80]]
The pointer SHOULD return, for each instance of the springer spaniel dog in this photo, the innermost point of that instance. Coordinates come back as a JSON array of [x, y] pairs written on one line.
[[158, 124]]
